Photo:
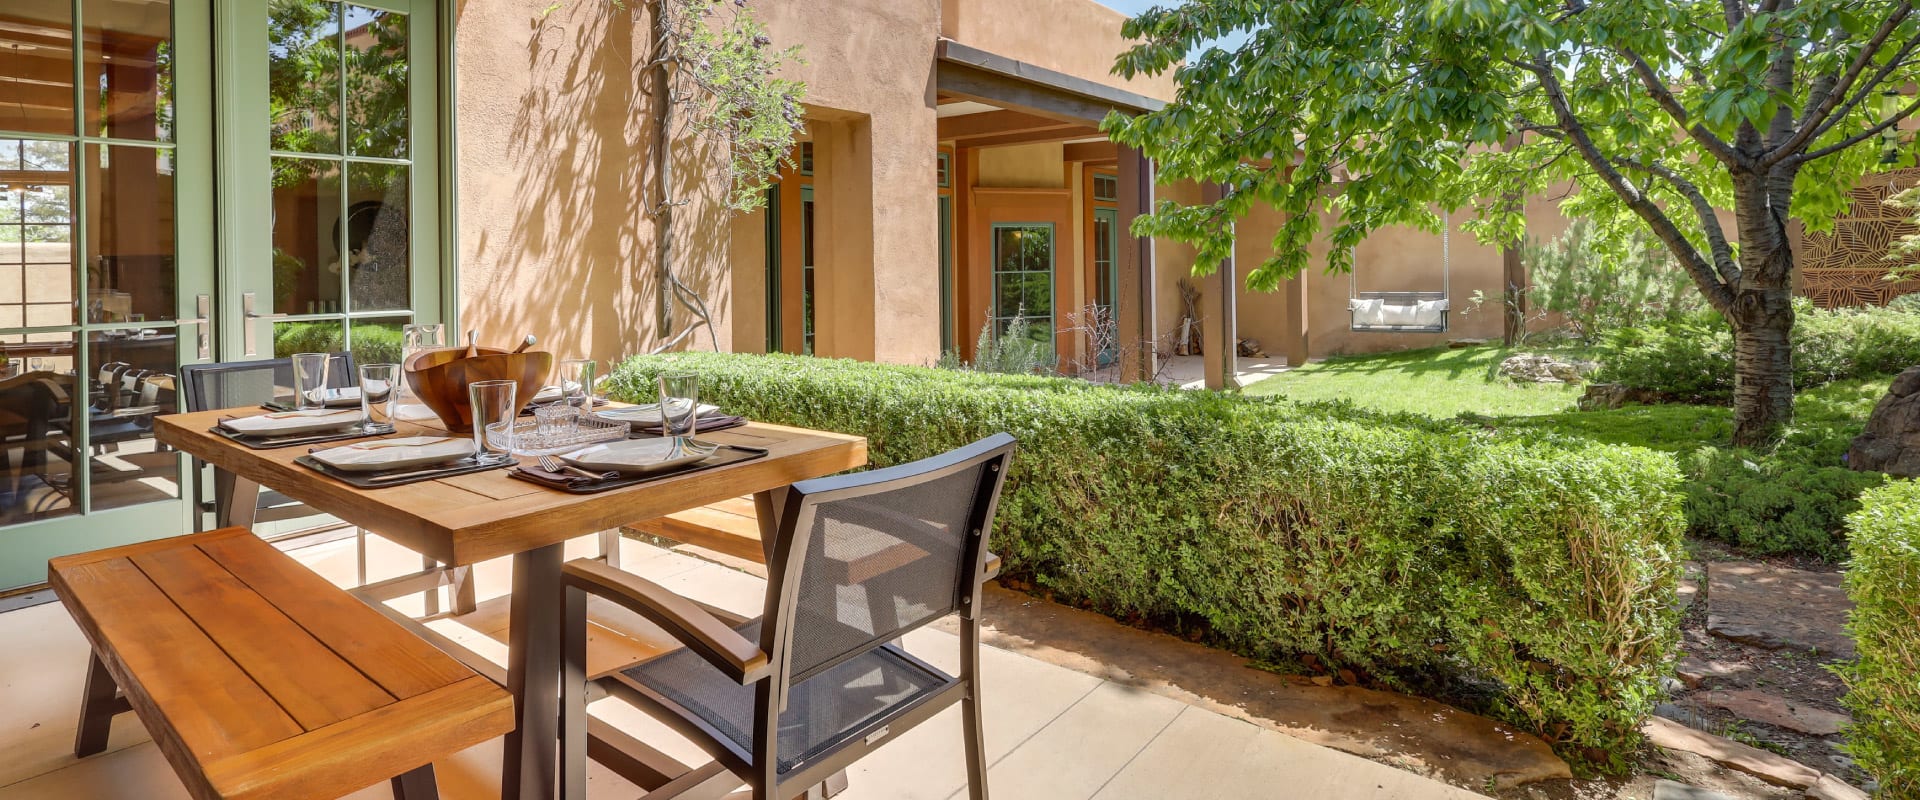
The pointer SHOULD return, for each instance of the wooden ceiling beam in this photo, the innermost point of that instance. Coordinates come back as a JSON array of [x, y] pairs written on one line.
[[996, 123], [1093, 151], [1032, 137]]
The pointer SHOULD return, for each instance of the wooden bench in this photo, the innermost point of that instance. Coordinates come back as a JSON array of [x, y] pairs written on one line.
[[259, 679], [731, 527]]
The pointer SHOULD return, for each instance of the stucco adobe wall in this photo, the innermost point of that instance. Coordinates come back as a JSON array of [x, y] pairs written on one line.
[[1076, 37]]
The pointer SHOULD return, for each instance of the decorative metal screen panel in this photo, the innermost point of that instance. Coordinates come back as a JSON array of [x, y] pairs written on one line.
[[1847, 267]]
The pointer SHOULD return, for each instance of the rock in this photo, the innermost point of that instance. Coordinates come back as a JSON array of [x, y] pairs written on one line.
[[1532, 368], [1695, 672], [1777, 711], [1671, 686], [1891, 441], [1672, 790], [1832, 788], [1691, 574], [1775, 608], [1777, 770]]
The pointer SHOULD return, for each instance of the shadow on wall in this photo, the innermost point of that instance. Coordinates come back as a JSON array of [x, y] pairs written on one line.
[[559, 242]]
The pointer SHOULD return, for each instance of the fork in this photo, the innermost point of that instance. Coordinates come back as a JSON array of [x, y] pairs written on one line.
[[551, 464]]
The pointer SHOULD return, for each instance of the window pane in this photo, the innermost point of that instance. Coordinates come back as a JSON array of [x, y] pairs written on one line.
[[377, 119], [39, 155], [303, 75], [128, 69], [377, 341], [40, 401], [378, 244], [36, 67], [315, 336], [134, 383], [306, 244], [131, 227]]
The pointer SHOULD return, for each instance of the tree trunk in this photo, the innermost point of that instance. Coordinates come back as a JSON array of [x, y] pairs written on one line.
[[1762, 364]]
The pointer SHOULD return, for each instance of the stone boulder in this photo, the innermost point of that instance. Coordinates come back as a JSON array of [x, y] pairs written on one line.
[[1533, 368], [1891, 441]]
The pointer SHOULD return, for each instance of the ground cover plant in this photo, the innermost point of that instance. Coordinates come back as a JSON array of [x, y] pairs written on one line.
[[1393, 545]]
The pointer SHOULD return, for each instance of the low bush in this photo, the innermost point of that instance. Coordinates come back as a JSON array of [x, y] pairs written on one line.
[[372, 343], [1691, 359], [1400, 546], [1883, 581]]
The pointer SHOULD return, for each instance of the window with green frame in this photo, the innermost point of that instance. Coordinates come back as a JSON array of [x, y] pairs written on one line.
[[1023, 257]]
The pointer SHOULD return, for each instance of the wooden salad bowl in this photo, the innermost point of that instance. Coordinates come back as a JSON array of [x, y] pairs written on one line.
[[440, 379]]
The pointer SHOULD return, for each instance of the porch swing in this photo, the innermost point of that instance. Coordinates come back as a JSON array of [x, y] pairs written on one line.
[[1404, 312]]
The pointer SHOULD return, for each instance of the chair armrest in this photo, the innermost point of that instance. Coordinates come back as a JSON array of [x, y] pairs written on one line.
[[693, 626]]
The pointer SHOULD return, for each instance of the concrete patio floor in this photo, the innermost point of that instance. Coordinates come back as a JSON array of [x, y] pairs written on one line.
[[1053, 733]]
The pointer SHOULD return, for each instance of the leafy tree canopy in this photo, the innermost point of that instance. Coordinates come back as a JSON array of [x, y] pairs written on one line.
[[1656, 111]]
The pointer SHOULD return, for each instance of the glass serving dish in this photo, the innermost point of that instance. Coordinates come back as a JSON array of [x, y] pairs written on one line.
[[528, 440]]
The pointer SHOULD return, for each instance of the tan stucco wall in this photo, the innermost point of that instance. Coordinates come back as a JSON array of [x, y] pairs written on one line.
[[1075, 37], [1023, 166], [552, 141]]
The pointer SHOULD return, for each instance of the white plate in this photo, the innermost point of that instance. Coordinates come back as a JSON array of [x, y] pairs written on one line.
[[290, 423], [647, 414], [401, 453], [640, 456]]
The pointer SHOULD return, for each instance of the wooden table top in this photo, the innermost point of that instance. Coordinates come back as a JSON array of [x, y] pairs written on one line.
[[467, 519], [259, 679]]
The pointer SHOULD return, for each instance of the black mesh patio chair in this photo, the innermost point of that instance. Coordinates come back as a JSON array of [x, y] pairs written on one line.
[[785, 701]]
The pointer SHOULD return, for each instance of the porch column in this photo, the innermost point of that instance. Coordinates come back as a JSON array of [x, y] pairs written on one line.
[[1219, 319], [1137, 312], [1294, 341]]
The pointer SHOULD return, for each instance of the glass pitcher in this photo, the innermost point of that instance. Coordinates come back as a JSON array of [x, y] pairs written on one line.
[[413, 339]]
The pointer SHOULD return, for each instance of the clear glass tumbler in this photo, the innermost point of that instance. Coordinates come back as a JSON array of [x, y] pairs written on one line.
[[494, 410], [576, 382], [679, 404], [310, 379], [379, 394], [413, 339]]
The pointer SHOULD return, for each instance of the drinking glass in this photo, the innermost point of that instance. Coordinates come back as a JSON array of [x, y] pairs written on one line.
[[576, 382], [310, 379], [413, 339], [679, 404], [556, 420], [379, 394], [494, 410]]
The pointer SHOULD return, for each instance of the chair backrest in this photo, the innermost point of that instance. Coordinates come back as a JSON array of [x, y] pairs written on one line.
[[246, 383], [862, 559]]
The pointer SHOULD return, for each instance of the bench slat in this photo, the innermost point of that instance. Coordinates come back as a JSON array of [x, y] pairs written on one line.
[[404, 666], [151, 640], [314, 685]]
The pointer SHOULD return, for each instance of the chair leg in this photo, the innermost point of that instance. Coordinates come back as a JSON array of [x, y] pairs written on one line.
[[573, 696], [464, 601], [610, 547], [97, 707], [416, 784], [975, 732]]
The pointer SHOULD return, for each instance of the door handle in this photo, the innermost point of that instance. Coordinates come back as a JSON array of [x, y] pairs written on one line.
[[250, 333], [203, 305]]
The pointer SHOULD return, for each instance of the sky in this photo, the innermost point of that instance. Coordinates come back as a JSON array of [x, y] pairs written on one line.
[[1132, 7]]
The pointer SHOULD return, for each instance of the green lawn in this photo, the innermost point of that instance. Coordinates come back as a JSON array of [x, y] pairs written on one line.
[[1439, 383]]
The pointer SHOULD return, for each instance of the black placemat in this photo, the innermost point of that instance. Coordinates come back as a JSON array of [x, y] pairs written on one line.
[[727, 454], [376, 480], [254, 442]]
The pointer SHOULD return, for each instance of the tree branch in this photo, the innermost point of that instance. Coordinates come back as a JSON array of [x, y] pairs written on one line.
[[1862, 136], [1704, 209], [1821, 105], [1664, 97], [1718, 294]]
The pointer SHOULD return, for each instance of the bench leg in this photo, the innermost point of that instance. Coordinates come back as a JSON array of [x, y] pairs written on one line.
[[433, 594], [464, 601], [97, 707], [416, 784], [610, 547]]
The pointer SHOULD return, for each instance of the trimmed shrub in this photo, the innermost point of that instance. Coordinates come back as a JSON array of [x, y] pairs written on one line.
[[1397, 545], [1691, 360], [1882, 691], [372, 343]]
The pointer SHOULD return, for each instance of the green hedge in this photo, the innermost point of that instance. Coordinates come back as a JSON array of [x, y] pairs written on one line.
[[1394, 545], [373, 343], [1883, 685]]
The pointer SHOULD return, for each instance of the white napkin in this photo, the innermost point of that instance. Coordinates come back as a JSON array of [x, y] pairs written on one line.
[[312, 419]]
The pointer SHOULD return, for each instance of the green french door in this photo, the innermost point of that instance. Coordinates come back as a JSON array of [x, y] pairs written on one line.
[[130, 245], [330, 152]]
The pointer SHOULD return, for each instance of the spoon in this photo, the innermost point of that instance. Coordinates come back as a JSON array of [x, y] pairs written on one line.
[[525, 343]]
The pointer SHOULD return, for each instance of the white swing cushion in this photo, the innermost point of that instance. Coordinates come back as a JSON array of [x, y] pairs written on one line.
[[1367, 312], [1421, 314]]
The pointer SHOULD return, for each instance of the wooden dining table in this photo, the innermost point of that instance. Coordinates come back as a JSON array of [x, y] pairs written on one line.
[[462, 520]]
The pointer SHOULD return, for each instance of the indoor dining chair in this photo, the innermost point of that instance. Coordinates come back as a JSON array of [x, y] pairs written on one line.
[[817, 682]]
